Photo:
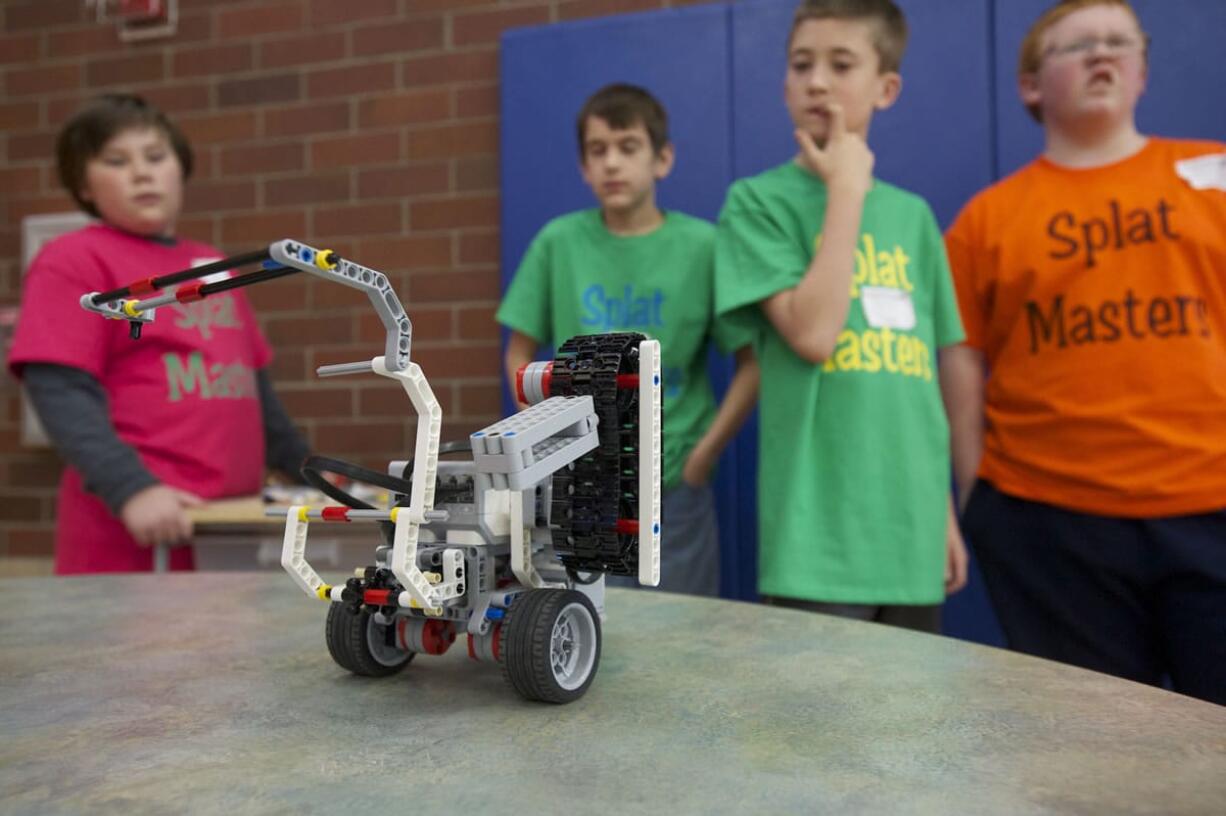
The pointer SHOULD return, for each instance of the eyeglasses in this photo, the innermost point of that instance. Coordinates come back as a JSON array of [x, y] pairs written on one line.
[[1113, 44]]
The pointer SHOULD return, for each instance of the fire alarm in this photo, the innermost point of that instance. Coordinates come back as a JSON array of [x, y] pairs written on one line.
[[141, 12]]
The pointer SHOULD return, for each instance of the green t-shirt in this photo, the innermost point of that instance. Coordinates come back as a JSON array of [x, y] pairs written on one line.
[[579, 278], [853, 480]]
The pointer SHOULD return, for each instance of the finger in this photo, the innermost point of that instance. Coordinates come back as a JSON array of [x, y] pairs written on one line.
[[812, 155], [188, 499], [838, 124]]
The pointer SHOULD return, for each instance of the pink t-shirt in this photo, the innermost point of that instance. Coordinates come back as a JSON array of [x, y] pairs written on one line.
[[184, 395]]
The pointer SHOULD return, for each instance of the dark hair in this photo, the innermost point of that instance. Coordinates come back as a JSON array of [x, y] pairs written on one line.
[[624, 106], [889, 25], [87, 132]]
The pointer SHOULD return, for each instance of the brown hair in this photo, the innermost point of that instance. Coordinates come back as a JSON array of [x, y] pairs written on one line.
[[1030, 56], [889, 25], [87, 132], [624, 106]]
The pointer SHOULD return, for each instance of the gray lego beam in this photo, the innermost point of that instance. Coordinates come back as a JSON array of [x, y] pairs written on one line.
[[521, 450]]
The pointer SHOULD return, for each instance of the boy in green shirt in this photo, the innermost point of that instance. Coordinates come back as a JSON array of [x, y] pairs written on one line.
[[628, 266], [846, 280]]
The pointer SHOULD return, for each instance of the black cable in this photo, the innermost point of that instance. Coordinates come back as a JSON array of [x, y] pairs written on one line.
[[258, 256]]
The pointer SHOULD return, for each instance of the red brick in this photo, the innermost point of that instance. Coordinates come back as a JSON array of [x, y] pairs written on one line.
[[220, 196], [79, 42], [311, 48], [217, 128], [360, 79], [199, 228], [471, 211], [245, 23], [332, 12], [18, 49], [363, 219], [478, 323], [194, 27], [477, 173], [19, 208], [481, 399], [478, 102], [480, 248], [25, 542], [312, 189], [33, 470], [262, 228], [288, 364], [318, 402], [20, 506], [345, 151], [407, 252], [348, 437], [211, 60], [260, 90], [422, 34], [41, 14], [383, 401], [262, 158], [455, 362], [18, 115], [325, 295], [467, 66], [126, 70], [42, 80], [449, 141], [574, 9], [206, 163], [278, 295], [405, 181], [13, 179], [413, 107], [178, 98], [415, 6], [486, 26], [315, 329], [448, 287], [319, 118], [26, 146]]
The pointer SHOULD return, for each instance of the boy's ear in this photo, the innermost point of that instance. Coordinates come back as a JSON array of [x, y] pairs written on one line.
[[891, 87], [664, 161], [1028, 89]]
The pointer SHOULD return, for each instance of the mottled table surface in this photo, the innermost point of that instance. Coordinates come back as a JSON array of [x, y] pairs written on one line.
[[214, 693]]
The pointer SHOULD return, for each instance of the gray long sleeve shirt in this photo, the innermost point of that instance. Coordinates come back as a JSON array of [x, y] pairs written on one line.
[[73, 408]]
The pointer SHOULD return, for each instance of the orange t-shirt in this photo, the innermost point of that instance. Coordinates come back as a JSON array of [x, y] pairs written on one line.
[[1098, 297]]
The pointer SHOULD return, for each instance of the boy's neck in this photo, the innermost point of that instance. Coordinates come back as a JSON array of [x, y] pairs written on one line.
[[1092, 147], [638, 221]]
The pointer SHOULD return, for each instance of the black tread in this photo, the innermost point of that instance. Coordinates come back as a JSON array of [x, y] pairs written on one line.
[[601, 486]]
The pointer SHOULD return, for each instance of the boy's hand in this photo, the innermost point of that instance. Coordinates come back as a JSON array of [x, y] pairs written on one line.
[[955, 558], [697, 469], [844, 163], [158, 515]]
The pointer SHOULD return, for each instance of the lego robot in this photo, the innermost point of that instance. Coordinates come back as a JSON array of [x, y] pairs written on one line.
[[508, 545]]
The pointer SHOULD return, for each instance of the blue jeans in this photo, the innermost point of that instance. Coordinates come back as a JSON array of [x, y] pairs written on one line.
[[689, 543]]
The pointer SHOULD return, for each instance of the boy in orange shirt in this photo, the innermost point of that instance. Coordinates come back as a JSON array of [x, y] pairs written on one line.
[[1088, 405]]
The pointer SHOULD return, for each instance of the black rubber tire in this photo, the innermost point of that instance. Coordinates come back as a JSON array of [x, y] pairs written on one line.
[[528, 649], [347, 633]]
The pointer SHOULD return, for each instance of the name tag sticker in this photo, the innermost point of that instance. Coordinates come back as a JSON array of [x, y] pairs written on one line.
[[1204, 172], [886, 308]]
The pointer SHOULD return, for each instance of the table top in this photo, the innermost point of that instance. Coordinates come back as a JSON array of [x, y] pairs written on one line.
[[215, 693]]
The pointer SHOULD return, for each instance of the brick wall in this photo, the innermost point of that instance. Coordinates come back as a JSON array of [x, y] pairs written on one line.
[[368, 126]]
